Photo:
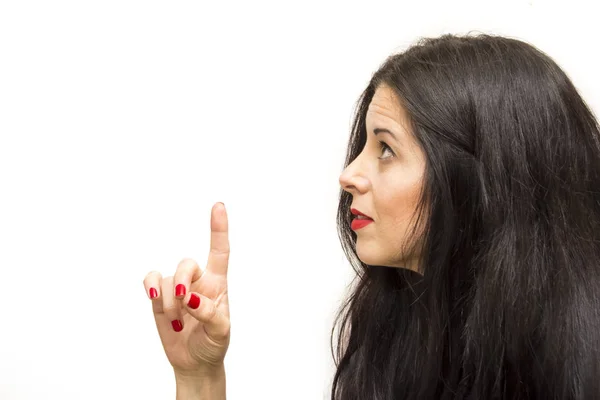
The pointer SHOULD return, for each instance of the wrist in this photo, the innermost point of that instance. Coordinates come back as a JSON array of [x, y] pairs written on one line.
[[205, 384], [201, 374]]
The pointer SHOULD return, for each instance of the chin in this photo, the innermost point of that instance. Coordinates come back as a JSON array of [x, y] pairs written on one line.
[[368, 255]]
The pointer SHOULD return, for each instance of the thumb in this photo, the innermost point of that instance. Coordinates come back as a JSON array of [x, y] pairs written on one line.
[[205, 310]]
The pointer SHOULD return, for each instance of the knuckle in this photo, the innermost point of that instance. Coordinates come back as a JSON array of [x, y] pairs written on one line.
[[170, 311], [151, 274], [227, 328], [211, 312], [224, 332], [186, 263], [220, 252]]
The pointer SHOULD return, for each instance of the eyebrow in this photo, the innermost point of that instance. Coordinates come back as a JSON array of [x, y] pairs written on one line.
[[376, 131]]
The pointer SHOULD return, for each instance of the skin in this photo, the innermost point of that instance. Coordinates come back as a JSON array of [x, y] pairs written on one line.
[[197, 351], [385, 184], [385, 189]]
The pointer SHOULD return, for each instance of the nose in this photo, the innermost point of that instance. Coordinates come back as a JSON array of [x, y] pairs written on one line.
[[351, 180]]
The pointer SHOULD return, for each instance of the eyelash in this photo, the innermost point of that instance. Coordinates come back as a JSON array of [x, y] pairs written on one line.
[[384, 146]]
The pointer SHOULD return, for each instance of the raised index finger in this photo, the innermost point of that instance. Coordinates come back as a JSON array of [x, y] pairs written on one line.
[[218, 256]]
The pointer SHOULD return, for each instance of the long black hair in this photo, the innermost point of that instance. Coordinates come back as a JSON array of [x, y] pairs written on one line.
[[507, 301]]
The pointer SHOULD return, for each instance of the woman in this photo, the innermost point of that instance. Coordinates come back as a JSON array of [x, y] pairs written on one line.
[[478, 272]]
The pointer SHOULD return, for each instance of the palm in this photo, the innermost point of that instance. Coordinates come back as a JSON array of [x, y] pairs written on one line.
[[192, 345]]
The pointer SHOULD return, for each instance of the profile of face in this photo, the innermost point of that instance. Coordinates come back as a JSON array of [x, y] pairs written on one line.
[[385, 182]]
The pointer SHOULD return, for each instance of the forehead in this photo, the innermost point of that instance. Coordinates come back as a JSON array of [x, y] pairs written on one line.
[[385, 106]]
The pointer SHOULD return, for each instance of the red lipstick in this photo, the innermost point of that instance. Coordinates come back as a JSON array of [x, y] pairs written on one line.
[[362, 220]]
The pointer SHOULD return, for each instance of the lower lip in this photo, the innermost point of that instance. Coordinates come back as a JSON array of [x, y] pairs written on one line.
[[360, 223]]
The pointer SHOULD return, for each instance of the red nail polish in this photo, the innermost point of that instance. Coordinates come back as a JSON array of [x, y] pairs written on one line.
[[177, 326], [194, 301], [153, 293], [180, 290]]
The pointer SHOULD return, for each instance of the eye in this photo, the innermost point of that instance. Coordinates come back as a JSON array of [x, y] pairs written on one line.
[[383, 146]]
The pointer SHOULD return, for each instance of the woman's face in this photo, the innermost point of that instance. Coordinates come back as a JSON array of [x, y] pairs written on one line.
[[385, 183]]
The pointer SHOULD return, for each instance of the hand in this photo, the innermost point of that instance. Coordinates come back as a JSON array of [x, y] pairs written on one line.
[[195, 339]]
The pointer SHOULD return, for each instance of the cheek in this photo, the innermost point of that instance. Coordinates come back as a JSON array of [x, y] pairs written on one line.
[[398, 203]]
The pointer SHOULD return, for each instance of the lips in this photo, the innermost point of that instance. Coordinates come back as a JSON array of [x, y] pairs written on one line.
[[354, 211]]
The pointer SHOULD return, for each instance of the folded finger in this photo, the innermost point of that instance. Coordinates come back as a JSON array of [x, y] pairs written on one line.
[[152, 283], [170, 305], [187, 272], [205, 310]]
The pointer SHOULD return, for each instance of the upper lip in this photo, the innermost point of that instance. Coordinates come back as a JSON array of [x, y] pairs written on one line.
[[354, 211]]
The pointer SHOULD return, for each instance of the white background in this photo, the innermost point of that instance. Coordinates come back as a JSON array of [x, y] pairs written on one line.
[[123, 122]]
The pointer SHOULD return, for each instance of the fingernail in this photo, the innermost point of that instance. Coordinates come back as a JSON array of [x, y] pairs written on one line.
[[194, 301], [180, 290], [153, 293], [177, 326]]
